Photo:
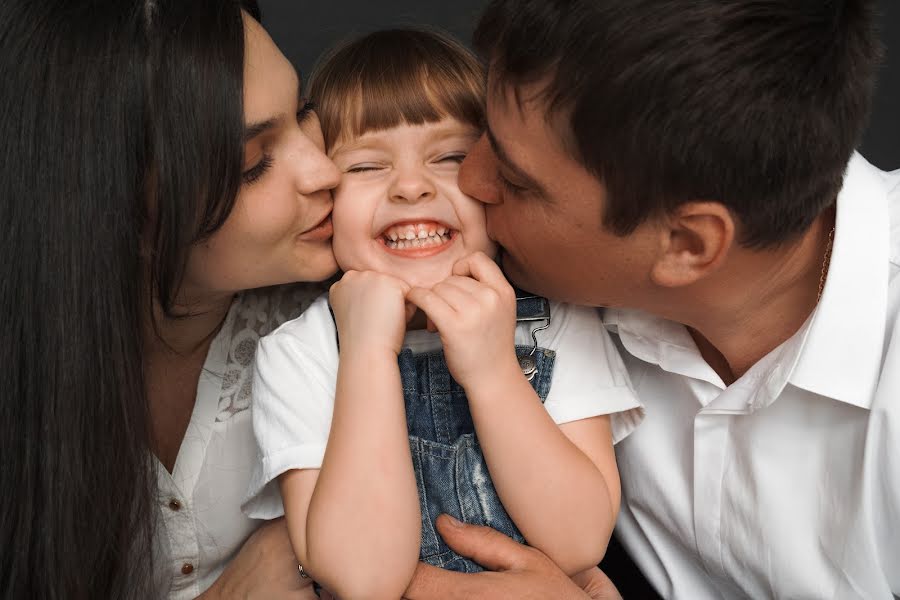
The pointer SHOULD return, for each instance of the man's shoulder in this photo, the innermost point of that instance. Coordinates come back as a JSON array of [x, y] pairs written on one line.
[[892, 184]]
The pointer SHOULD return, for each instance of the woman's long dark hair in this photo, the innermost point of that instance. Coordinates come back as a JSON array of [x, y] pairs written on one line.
[[120, 145]]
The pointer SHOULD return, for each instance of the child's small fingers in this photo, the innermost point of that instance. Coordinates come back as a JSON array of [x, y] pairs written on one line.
[[432, 304], [410, 310], [457, 296], [481, 268], [471, 286]]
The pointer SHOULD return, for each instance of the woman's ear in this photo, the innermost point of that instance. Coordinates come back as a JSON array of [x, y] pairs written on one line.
[[694, 242]]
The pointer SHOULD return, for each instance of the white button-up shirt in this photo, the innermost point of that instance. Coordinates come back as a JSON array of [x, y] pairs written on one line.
[[201, 526], [786, 483]]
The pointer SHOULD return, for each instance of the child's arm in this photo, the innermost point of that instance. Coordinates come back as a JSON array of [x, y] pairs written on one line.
[[355, 523], [559, 485]]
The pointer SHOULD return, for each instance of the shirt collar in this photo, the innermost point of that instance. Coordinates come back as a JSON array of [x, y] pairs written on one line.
[[841, 356], [837, 353]]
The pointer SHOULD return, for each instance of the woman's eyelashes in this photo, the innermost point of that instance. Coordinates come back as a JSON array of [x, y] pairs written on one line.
[[254, 173], [305, 110]]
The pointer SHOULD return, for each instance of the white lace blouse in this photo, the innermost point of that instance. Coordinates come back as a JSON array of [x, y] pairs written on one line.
[[201, 526]]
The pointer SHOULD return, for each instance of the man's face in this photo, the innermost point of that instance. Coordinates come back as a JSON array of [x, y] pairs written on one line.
[[546, 210]]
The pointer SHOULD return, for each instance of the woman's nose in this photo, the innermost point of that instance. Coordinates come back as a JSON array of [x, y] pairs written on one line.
[[314, 171], [317, 172]]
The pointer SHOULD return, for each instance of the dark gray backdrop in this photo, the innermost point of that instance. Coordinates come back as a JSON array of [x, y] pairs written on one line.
[[303, 29]]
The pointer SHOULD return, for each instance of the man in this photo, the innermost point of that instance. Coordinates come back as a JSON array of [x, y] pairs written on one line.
[[689, 164]]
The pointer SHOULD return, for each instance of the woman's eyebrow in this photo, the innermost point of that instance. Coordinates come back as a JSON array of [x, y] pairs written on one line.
[[255, 129]]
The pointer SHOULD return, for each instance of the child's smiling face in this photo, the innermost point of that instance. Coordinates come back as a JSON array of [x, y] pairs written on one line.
[[398, 209]]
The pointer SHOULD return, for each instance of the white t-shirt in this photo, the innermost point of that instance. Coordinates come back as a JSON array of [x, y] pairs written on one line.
[[786, 483], [296, 373], [201, 526]]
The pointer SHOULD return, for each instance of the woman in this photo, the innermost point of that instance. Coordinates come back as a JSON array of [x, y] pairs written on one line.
[[157, 160]]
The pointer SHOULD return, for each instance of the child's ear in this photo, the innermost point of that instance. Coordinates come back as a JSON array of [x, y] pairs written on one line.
[[694, 241]]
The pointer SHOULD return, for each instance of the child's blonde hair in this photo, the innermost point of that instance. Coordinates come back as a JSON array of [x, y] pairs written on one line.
[[397, 76]]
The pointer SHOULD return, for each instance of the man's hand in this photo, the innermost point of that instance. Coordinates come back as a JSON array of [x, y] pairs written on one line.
[[264, 568], [515, 571]]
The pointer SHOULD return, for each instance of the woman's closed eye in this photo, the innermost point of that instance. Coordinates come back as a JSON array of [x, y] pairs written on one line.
[[254, 173], [306, 108]]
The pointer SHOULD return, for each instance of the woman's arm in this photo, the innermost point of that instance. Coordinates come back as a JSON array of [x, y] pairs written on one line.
[[263, 568], [355, 523]]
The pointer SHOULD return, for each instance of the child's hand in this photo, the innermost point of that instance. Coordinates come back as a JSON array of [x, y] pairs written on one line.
[[370, 311], [474, 310]]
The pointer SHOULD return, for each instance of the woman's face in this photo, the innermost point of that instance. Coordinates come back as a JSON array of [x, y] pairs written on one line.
[[280, 228]]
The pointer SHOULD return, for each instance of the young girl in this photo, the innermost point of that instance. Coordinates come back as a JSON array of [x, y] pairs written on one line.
[[374, 424]]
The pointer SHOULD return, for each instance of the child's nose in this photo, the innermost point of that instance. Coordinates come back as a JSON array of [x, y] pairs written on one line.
[[412, 187]]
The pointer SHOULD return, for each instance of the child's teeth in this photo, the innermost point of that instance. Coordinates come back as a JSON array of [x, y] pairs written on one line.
[[416, 236]]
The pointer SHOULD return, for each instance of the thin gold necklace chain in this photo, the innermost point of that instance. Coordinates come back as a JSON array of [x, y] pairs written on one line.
[[825, 262]]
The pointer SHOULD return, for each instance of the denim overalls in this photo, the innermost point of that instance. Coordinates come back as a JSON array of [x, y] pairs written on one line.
[[451, 474], [450, 469]]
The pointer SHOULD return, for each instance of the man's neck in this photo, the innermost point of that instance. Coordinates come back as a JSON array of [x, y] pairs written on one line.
[[759, 301]]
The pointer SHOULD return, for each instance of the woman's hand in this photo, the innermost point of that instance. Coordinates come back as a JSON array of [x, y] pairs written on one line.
[[516, 571], [264, 568], [370, 310], [474, 311]]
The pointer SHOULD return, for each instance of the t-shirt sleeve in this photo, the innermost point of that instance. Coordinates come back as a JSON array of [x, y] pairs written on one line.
[[292, 406], [589, 377]]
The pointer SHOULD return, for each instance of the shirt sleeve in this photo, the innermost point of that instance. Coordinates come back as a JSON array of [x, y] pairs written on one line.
[[589, 377], [293, 402]]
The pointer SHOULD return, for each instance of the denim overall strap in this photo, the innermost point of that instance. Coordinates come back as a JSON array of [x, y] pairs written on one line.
[[530, 307]]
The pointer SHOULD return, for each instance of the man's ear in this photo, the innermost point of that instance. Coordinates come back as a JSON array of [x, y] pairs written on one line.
[[694, 241]]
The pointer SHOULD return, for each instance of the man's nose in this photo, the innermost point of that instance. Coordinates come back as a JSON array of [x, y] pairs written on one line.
[[478, 173]]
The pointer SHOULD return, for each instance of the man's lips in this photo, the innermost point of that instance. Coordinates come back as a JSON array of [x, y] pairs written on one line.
[[320, 232]]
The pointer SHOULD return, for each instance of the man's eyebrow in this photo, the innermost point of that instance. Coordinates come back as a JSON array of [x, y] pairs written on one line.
[[517, 171]]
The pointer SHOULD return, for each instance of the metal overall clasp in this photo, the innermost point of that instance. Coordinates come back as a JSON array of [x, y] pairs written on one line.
[[531, 308]]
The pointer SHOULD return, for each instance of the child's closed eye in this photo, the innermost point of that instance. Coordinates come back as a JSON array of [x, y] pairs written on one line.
[[451, 157], [364, 168]]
